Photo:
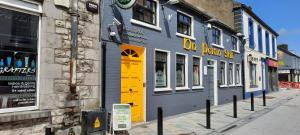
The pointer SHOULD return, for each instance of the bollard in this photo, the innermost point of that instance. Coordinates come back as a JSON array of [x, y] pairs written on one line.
[[48, 131], [208, 114], [252, 101], [234, 107], [264, 98], [159, 121]]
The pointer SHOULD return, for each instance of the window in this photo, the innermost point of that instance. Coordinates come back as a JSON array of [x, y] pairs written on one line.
[[161, 69], [184, 24], [252, 74], [260, 46], [251, 33], [238, 74], [267, 43], [217, 36], [197, 71], [180, 70], [234, 43], [223, 73], [18, 59], [231, 76], [273, 47], [145, 11]]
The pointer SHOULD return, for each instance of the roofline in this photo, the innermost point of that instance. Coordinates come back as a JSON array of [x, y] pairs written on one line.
[[288, 52], [249, 11]]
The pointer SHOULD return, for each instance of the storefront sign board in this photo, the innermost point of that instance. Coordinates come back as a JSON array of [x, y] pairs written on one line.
[[121, 117]]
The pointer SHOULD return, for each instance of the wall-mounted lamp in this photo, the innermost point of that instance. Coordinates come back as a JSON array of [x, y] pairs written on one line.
[[170, 2]]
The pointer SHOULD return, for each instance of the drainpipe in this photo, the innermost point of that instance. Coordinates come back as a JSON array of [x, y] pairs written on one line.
[[74, 47]]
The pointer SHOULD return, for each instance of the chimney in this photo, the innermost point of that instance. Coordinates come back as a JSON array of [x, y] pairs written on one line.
[[283, 46]]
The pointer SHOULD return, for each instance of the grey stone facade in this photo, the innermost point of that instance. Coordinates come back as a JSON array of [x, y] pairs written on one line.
[[57, 107]]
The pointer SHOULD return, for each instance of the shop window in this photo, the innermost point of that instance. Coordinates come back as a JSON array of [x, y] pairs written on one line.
[[145, 11], [197, 75], [234, 43], [231, 76], [18, 59], [184, 24], [253, 74], [238, 74], [161, 69], [217, 36], [222, 73], [180, 70]]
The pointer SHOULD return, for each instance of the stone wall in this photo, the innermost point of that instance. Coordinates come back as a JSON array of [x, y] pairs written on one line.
[[220, 9], [54, 70]]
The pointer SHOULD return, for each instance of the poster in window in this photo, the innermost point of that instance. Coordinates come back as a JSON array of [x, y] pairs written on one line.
[[196, 75], [161, 78]]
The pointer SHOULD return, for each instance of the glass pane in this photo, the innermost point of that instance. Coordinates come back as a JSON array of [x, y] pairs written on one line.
[[161, 74], [180, 79]]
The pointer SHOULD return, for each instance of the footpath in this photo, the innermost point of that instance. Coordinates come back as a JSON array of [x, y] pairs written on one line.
[[222, 121]]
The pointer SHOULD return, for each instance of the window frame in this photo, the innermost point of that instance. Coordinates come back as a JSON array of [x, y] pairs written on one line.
[[240, 74], [251, 34], [186, 85], [237, 44], [168, 88], [226, 79], [192, 36], [273, 47], [144, 24], [255, 75], [221, 45], [200, 73], [27, 10], [267, 42], [233, 74], [260, 38]]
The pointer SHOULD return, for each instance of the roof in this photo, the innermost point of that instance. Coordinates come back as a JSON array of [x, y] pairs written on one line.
[[288, 52], [248, 9], [205, 15]]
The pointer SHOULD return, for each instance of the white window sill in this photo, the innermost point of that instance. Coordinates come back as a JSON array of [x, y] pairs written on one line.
[[223, 86], [219, 46], [185, 36], [197, 87], [162, 89], [182, 88], [236, 51], [238, 85], [145, 24], [231, 85]]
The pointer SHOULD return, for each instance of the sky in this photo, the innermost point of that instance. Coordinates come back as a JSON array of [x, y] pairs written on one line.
[[281, 15]]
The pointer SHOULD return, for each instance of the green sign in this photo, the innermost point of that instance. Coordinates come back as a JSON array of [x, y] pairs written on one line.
[[125, 4]]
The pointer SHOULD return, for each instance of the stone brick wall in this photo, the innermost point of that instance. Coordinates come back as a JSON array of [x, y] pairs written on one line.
[[54, 71], [220, 9]]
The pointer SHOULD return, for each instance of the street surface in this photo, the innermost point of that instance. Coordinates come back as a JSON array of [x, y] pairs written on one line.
[[284, 120]]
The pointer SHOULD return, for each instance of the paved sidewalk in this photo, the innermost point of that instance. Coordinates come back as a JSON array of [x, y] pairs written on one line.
[[193, 123]]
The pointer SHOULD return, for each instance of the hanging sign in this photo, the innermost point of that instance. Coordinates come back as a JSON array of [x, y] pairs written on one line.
[[125, 4], [272, 63], [121, 117]]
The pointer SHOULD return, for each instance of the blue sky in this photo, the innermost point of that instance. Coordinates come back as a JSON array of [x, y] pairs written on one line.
[[283, 16]]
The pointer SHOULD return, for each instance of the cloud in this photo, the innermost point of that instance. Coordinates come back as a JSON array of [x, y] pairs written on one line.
[[282, 31], [285, 32]]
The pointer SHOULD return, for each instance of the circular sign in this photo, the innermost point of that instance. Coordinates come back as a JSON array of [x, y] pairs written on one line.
[[125, 4]]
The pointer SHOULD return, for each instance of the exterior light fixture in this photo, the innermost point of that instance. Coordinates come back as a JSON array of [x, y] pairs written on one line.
[[170, 2]]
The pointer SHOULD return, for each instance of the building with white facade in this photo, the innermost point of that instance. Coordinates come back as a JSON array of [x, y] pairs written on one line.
[[260, 52]]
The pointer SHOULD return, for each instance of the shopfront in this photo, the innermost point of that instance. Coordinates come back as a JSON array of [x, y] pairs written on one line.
[[167, 57], [19, 42], [272, 75]]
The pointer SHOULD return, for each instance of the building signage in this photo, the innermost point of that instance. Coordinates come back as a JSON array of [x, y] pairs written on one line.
[[284, 71], [125, 4], [252, 59], [216, 52], [188, 44], [92, 7], [121, 117], [272, 63]]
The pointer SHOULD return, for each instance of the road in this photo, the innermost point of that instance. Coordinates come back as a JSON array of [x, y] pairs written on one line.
[[284, 120]]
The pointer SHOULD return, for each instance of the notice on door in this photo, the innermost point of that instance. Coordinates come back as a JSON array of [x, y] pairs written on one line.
[[121, 117]]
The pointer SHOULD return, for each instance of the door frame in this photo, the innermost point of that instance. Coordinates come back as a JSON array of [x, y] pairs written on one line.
[[216, 94], [144, 78]]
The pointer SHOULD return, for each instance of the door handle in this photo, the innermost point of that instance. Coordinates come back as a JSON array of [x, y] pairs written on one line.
[[131, 104], [130, 90]]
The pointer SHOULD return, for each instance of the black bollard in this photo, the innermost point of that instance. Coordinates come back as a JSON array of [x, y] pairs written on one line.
[[234, 107], [252, 101], [264, 98], [159, 121], [208, 114]]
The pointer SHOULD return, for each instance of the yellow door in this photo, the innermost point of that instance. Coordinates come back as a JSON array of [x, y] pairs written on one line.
[[132, 79]]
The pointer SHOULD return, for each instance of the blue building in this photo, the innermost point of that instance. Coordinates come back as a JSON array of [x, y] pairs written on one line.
[[168, 55]]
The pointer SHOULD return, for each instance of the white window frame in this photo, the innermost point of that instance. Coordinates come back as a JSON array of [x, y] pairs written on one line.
[[201, 72], [155, 27], [221, 38], [255, 77], [19, 8], [192, 26], [226, 79], [168, 88], [185, 87], [233, 74], [240, 73], [238, 44]]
